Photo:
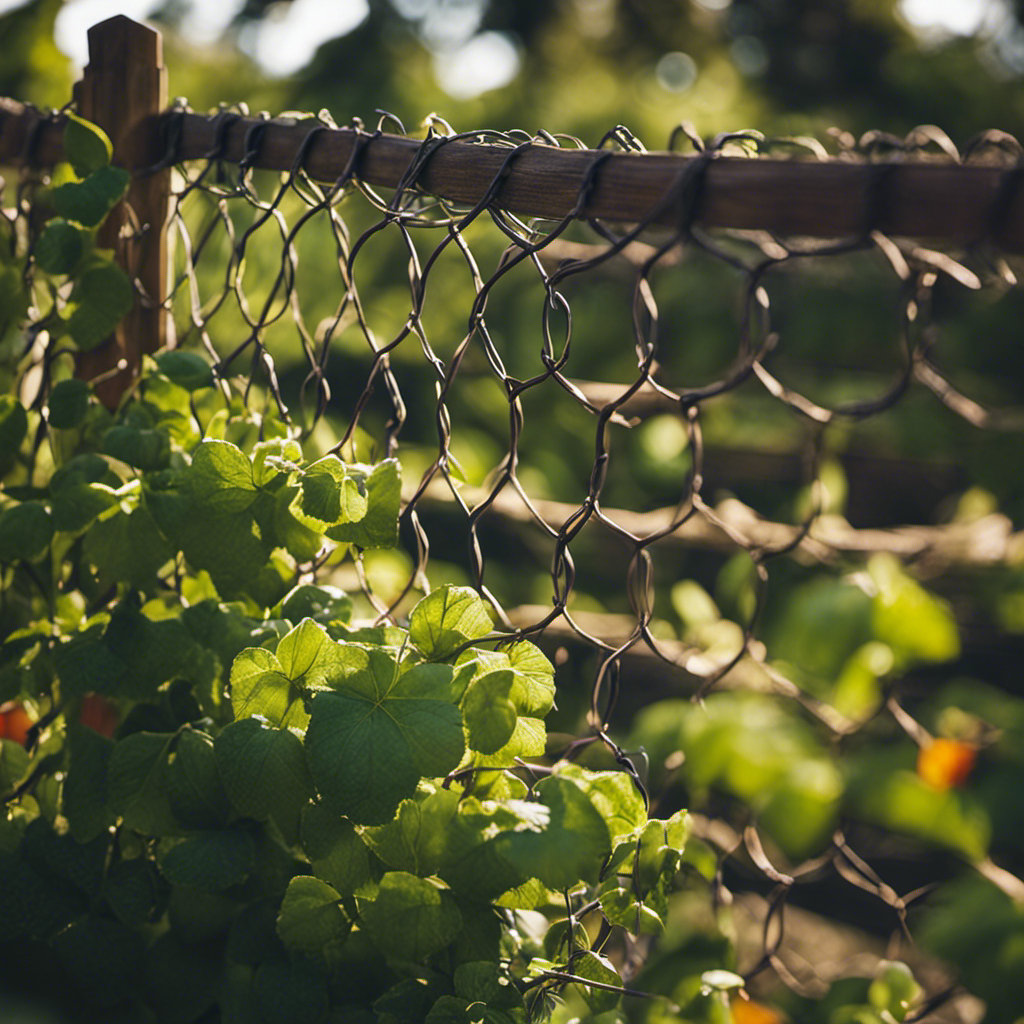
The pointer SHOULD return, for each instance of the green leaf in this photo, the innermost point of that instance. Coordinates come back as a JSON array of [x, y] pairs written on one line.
[[193, 783], [533, 687], [210, 861], [416, 840], [895, 990], [25, 532], [369, 746], [13, 763], [137, 782], [77, 504], [489, 714], [259, 686], [186, 369], [311, 921], [409, 1001], [900, 801], [567, 839], [615, 796], [88, 202], [141, 448], [328, 495], [916, 625], [13, 428], [68, 403], [127, 547], [82, 489], [378, 528], [410, 917], [102, 958], [452, 1010], [264, 773], [800, 815], [103, 294], [528, 739], [224, 631], [131, 888], [622, 908], [336, 852], [60, 246], [722, 981], [594, 967], [296, 538], [446, 619], [87, 147], [225, 545], [134, 656], [32, 904], [196, 915], [85, 787], [822, 623], [13, 306], [221, 476], [271, 459], [185, 979], [474, 862], [320, 603], [61, 856], [487, 983], [310, 658]]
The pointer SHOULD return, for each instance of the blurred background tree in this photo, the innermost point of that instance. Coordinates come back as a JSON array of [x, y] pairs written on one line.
[[576, 65]]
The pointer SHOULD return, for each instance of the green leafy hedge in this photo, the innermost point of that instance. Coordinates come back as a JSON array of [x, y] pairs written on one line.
[[233, 799]]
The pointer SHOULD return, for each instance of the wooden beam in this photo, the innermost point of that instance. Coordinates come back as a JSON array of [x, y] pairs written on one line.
[[922, 199], [29, 137], [816, 198], [124, 91]]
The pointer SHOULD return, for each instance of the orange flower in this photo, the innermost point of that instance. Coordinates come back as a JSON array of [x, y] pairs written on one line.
[[749, 1011], [14, 722], [944, 763]]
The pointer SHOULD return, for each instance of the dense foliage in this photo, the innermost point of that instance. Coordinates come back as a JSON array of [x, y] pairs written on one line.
[[225, 794]]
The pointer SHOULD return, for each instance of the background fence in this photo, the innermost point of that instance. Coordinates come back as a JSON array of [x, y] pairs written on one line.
[[582, 360]]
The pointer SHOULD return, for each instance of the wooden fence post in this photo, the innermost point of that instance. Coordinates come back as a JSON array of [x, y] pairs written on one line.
[[124, 91]]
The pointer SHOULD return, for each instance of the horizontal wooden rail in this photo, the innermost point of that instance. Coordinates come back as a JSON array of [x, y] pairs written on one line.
[[916, 198], [28, 136]]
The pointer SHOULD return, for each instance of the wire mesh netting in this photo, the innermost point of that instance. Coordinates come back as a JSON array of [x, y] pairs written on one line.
[[733, 483]]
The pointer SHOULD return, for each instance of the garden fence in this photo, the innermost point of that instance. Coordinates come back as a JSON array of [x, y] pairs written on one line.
[[449, 300]]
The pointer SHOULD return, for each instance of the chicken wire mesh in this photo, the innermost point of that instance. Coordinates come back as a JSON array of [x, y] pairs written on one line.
[[600, 424]]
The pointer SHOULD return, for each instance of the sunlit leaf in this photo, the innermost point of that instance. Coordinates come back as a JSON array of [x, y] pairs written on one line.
[[87, 147], [378, 528], [410, 917], [264, 773], [311, 920], [221, 477], [568, 840], [446, 619], [369, 744]]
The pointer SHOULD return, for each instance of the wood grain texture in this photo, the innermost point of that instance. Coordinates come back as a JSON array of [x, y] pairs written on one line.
[[933, 202], [29, 136], [124, 90], [821, 199]]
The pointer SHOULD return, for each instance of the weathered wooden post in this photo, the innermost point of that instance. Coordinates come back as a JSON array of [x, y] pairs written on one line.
[[124, 91]]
